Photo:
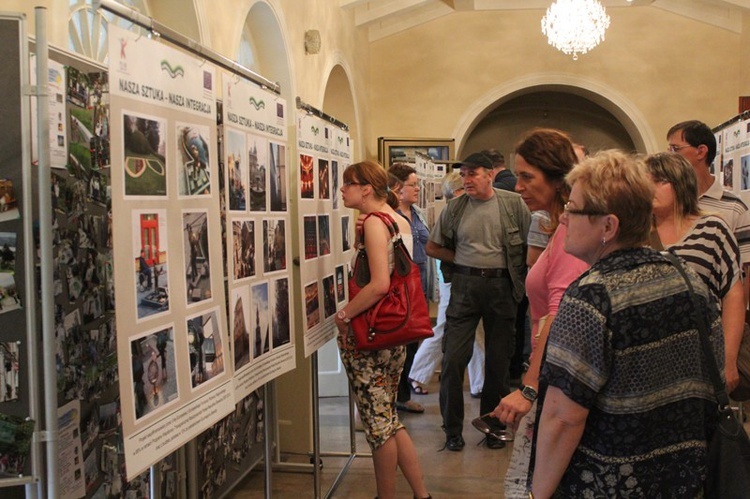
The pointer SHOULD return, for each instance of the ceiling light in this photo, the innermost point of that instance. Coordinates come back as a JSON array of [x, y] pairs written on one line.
[[575, 26]]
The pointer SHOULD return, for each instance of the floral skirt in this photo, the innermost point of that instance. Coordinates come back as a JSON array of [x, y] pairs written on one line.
[[517, 476], [374, 378]]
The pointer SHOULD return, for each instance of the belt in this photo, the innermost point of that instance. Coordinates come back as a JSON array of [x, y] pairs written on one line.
[[462, 269]]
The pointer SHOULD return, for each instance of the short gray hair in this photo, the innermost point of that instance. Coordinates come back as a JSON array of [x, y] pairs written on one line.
[[451, 183]]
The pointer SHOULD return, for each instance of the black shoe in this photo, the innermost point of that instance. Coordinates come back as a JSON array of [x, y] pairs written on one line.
[[455, 443], [477, 395], [493, 443]]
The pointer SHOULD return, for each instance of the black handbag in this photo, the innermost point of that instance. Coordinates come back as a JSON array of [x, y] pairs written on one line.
[[728, 474]]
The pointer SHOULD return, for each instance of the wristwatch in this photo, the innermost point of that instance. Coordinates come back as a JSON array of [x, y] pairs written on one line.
[[341, 314], [529, 393]]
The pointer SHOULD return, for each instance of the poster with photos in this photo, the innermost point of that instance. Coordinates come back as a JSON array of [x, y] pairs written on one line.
[[734, 144], [171, 319], [324, 152], [254, 123], [9, 299]]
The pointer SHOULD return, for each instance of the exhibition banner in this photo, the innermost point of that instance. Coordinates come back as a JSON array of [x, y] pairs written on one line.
[[174, 370], [256, 204], [327, 227]]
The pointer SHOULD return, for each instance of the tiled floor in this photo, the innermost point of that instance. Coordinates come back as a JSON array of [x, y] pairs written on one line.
[[475, 472]]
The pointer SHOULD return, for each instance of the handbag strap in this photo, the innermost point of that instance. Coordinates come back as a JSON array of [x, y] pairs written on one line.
[[713, 369], [387, 220]]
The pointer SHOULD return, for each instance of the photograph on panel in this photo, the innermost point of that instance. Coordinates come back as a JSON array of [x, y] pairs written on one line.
[[260, 325], [243, 248], [346, 235], [280, 328], [229, 445], [274, 245], [150, 264], [88, 128], [154, 371], [324, 179], [728, 172], [277, 176], [311, 236], [10, 370], [745, 169], [324, 235], [240, 321], [329, 296], [194, 174], [197, 261], [312, 305], [9, 299], [340, 284], [258, 168], [206, 350], [234, 150], [145, 141], [8, 201], [109, 415], [306, 177], [335, 180]]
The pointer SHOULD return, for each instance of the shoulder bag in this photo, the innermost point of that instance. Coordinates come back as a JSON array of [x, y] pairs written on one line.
[[401, 316], [728, 474]]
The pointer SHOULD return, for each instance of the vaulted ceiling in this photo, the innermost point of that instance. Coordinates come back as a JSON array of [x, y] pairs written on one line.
[[383, 18]]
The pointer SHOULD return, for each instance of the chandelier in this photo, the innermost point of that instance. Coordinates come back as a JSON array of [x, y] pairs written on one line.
[[575, 26]]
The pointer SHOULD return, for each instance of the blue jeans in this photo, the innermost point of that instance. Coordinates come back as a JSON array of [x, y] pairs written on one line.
[[474, 298]]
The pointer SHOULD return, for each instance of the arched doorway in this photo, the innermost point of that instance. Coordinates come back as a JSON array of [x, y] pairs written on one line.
[[608, 119], [588, 123]]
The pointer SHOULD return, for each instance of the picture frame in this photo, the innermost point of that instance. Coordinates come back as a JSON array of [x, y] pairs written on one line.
[[402, 150]]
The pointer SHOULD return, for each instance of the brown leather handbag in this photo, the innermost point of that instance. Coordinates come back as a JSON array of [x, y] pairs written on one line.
[[401, 316]]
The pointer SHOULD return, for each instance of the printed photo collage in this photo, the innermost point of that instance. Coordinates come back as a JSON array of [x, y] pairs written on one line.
[[733, 151], [255, 168], [167, 165], [327, 226]]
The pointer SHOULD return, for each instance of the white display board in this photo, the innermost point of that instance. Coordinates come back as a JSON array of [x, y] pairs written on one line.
[[326, 226], [176, 376], [258, 227]]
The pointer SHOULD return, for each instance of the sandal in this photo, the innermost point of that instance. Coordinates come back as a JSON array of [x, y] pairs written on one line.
[[410, 406], [417, 388]]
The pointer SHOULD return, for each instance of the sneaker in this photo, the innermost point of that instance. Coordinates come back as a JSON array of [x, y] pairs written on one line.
[[477, 395], [455, 443]]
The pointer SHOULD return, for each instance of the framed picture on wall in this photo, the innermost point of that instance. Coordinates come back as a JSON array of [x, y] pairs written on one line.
[[402, 150]]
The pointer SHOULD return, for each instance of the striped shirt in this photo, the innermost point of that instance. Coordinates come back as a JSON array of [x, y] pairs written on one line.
[[711, 250], [733, 210]]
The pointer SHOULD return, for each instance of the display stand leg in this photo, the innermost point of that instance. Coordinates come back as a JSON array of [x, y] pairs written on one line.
[[268, 451], [46, 260]]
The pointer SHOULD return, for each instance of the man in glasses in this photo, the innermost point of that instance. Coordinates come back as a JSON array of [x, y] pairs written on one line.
[[695, 141]]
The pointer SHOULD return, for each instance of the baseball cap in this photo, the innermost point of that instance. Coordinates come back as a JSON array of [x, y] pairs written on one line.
[[477, 160]]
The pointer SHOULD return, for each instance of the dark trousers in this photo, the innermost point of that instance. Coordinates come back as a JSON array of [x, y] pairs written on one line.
[[474, 298], [404, 385]]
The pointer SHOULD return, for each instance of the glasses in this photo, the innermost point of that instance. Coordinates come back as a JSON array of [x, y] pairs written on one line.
[[415, 185], [582, 211], [491, 426], [347, 184], [674, 148]]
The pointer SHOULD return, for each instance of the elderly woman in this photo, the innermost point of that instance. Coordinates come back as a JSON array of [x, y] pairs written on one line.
[[704, 241], [373, 375], [627, 405], [543, 158]]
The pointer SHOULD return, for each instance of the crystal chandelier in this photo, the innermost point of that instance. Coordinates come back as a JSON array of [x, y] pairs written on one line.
[[575, 26]]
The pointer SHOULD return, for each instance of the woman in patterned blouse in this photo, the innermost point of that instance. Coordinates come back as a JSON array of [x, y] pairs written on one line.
[[627, 406]]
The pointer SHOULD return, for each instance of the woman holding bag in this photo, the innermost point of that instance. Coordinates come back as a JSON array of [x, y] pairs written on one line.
[[374, 375]]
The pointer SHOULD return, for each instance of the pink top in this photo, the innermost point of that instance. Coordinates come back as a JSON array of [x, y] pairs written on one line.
[[548, 279]]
